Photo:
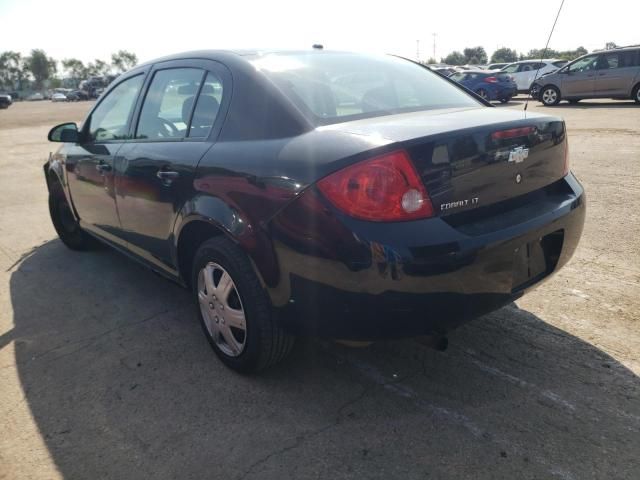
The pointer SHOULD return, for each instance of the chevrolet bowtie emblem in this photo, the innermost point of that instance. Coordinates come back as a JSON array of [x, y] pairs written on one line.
[[518, 154]]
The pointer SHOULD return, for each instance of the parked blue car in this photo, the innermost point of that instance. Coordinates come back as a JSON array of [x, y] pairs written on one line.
[[490, 85]]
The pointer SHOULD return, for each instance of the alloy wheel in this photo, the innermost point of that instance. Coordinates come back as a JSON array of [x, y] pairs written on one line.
[[221, 309], [549, 96]]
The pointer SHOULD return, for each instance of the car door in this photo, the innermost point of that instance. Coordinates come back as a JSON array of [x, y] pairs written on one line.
[[526, 73], [90, 163], [514, 71], [177, 122], [578, 78], [615, 73]]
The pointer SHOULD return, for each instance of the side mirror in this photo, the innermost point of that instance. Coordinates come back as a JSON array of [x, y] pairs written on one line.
[[65, 132]]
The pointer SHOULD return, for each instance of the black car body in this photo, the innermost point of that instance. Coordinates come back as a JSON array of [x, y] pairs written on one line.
[[352, 206], [5, 100], [77, 95]]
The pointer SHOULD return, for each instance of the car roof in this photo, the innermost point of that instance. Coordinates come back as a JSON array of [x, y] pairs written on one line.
[[548, 60], [237, 54]]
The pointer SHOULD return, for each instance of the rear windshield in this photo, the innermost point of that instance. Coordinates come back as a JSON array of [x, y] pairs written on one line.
[[336, 87]]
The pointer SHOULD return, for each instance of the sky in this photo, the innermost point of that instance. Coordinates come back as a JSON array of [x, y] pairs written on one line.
[[94, 29]]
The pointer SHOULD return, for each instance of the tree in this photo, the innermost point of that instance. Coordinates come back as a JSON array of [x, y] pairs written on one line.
[[431, 61], [610, 45], [475, 55], [504, 55], [455, 58], [74, 68], [538, 53], [123, 60], [12, 70], [98, 68], [41, 67]]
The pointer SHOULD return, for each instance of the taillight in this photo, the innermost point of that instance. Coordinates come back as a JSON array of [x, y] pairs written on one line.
[[491, 79], [566, 157], [512, 133], [383, 189]]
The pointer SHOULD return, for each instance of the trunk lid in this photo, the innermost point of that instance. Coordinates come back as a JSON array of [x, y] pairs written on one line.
[[471, 158]]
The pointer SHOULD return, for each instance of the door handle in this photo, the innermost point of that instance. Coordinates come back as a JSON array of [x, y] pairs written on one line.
[[103, 167], [167, 176]]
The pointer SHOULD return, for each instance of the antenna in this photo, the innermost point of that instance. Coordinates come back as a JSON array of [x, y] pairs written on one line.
[[544, 53]]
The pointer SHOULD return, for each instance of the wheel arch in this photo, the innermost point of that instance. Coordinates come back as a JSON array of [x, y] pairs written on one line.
[[206, 217], [54, 175]]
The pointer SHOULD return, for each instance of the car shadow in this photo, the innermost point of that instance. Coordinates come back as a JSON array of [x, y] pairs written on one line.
[[121, 383], [585, 104]]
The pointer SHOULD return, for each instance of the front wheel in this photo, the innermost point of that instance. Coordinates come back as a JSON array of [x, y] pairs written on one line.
[[235, 311], [550, 95], [65, 223], [505, 100]]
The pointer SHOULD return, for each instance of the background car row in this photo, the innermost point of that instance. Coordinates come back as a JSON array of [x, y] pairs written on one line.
[[613, 73]]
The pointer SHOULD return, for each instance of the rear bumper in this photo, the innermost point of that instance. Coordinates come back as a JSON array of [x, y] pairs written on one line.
[[361, 280], [504, 92]]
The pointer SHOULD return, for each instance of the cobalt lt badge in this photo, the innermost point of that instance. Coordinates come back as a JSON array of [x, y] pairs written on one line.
[[518, 178]]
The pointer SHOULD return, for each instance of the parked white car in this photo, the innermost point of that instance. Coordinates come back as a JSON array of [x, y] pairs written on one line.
[[526, 71], [58, 97]]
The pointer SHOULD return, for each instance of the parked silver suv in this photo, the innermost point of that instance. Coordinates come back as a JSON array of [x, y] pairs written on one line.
[[607, 74]]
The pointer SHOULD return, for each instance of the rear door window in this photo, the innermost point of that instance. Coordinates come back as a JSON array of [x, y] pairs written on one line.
[[609, 61], [630, 58], [207, 107]]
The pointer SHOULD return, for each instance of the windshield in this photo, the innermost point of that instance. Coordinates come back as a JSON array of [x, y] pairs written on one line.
[[335, 87]]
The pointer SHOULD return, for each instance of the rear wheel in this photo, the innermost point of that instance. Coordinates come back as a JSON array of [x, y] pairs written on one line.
[[235, 311], [636, 93], [65, 223], [550, 95], [505, 100]]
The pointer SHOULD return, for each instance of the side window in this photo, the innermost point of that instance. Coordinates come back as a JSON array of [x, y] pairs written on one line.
[[166, 110], [584, 64], [513, 68], [207, 107], [630, 58], [526, 67], [559, 63], [458, 77], [609, 61], [109, 120]]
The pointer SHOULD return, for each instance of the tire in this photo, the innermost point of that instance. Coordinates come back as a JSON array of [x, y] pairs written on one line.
[[636, 93], [573, 101], [505, 100], [262, 343], [483, 93], [67, 227], [550, 95]]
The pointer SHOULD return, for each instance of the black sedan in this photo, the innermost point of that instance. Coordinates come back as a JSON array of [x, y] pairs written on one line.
[[315, 192]]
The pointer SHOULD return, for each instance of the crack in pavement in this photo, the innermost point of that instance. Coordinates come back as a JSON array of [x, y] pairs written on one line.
[[306, 436]]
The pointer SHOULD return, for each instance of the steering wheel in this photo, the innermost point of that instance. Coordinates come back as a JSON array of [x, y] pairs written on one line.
[[166, 127]]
